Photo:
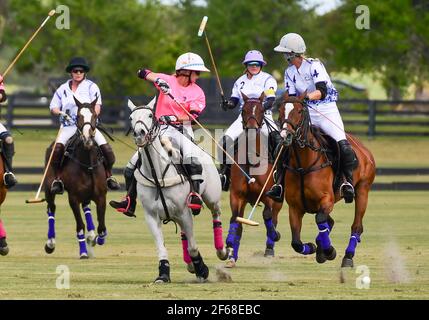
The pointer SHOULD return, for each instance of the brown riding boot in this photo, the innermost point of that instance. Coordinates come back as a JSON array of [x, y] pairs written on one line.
[[57, 186], [109, 158]]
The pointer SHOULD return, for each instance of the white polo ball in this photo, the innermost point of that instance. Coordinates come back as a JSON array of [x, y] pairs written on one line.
[[366, 280]]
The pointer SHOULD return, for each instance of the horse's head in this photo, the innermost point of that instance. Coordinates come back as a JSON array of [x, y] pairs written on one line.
[[294, 117], [86, 121], [144, 123], [252, 112]]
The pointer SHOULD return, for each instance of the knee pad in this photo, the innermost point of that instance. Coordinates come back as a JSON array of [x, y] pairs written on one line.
[[6, 137]]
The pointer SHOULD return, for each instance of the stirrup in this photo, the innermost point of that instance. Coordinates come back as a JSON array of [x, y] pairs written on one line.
[[123, 206], [195, 207], [9, 179], [112, 184], [274, 194], [348, 196], [57, 187]]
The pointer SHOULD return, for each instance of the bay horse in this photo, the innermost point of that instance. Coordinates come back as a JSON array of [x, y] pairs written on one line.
[[84, 178], [163, 187], [313, 176], [4, 249], [241, 192]]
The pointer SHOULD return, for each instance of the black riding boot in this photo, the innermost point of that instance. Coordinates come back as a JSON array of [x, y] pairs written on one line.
[[348, 161], [127, 205], [276, 192], [194, 170], [57, 186], [8, 152], [225, 167], [109, 157]]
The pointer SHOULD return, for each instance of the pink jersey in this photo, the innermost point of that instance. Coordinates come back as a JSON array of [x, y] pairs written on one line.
[[191, 97], [2, 86]]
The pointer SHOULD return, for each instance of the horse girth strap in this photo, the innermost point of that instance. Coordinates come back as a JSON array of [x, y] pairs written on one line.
[[158, 186]]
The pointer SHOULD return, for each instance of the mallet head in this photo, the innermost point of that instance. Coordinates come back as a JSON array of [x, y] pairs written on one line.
[[51, 13], [202, 26]]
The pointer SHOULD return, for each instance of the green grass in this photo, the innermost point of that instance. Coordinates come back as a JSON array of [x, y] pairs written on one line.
[[126, 265]]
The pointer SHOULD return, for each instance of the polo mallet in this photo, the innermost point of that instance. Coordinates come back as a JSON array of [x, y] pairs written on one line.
[[36, 199], [200, 33], [249, 179], [51, 13], [248, 221]]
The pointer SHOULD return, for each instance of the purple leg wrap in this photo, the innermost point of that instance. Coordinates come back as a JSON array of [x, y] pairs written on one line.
[[51, 225], [271, 230], [101, 238], [82, 244], [323, 236], [233, 240], [305, 249], [270, 243], [88, 218], [354, 239]]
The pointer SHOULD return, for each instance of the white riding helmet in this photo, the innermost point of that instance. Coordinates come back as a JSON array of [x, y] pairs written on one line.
[[190, 61], [291, 42]]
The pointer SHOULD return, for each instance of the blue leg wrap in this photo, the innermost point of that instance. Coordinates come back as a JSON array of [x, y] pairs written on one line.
[[271, 230], [101, 238], [323, 236], [88, 217], [354, 239], [82, 243], [51, 225], [233, 240]]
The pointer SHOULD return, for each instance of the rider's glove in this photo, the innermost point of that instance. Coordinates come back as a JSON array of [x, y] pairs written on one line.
[[168, 119], [162, 85]]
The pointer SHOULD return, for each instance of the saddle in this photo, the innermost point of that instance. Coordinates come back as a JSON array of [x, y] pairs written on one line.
[[69, 153], [333, 154]]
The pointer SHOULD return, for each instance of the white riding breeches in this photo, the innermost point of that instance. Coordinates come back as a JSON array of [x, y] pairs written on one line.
[[327, 117], [2, 128], [236, 128], [67, 132]]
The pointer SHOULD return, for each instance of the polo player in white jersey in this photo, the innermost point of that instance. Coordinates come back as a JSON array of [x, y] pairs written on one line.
[[309, 75], [64, 105], [252, 83]]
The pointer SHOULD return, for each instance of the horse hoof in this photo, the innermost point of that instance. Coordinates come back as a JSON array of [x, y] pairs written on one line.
[[162, 279], [48, 249], [347, 263], [320, 256], [269, 252], [84, 256], [4, 251], [278, 236], [312, 247], [230, 263], [190, 267], [331, 253], [203, 274], [201, 279], [222, 254]]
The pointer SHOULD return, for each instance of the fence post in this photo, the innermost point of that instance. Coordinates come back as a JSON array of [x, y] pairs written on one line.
[[371, 119], [9, 114]]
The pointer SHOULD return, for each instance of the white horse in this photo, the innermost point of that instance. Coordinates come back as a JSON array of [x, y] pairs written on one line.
[[158, 159]]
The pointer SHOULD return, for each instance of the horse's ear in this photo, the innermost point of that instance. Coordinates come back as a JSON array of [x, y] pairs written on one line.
[[151, 104], [262, 97], [286, 95], [131, 105], [245, 98], [94, 102], [78, 103]]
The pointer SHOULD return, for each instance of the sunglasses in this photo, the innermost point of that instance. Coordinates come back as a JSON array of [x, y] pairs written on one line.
[[254, 64], [197, 72], [78, 71]]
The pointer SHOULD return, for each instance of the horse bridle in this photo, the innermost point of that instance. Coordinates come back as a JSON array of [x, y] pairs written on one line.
[[300, 130], [252, 116], [152, 132], [91, 125]]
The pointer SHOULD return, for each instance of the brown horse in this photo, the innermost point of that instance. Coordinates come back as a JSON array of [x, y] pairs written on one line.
[[4, 249], [84, 178], [312, 178], [242, 192]]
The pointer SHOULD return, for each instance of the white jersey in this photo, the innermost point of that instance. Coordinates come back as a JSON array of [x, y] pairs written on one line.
[[305, 78], [253, 88], [86, 92]]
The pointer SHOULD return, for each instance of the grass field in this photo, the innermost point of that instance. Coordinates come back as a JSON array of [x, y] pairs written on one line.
[[394, 247]]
